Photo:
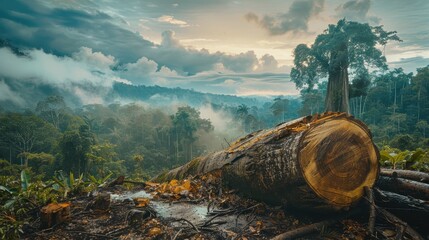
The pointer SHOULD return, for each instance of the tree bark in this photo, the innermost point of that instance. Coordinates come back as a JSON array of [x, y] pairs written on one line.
[[337, 95], [321, 162]]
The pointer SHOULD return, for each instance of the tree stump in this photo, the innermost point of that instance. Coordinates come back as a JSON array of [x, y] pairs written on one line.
[[318, 162], [53, 214]]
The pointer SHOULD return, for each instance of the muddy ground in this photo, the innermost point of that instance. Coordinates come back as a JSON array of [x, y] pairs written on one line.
[[190, 209]]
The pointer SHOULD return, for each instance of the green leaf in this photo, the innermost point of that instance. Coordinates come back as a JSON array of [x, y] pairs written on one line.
[[71, 179], [3, 188], [56, 186], [93, 179], [9, 203], [24, 180]]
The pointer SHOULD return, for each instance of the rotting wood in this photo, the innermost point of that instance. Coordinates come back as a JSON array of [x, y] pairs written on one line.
[[404, 187], [321, 161], [406, 174], [54, 214]]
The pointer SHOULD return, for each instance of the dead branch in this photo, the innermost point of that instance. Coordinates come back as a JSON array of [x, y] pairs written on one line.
[[403, 186], [406, 174], [398, 222]]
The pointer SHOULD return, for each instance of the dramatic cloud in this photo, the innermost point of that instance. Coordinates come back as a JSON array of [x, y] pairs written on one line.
[[64, 30], [89, 82], [356, 10], [296, 19]]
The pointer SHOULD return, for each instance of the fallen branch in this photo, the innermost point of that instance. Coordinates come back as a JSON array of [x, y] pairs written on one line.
[[398, 222], [405, 187], [189, 222], [406, 174], [302, 231]]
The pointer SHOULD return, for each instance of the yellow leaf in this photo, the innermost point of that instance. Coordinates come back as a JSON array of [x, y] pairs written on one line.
[[141, 202], [174, 182], [155, 231], [187, 185], [151, 184], [178, 189]]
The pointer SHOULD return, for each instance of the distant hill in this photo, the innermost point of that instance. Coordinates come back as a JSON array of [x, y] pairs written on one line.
[[157, 95]]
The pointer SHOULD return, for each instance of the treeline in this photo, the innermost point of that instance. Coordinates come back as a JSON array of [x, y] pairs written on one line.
[[98, 139], [132, 139], [394, 104]]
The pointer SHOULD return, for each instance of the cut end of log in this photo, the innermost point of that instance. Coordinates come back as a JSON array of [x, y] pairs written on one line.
[[338, 159]]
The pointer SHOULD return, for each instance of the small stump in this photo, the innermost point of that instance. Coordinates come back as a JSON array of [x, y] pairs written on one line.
[[101, 202], [53, 214]]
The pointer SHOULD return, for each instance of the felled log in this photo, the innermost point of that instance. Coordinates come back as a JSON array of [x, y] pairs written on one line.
[[321, 161], [406, 174], [54, 214], [404, 187]]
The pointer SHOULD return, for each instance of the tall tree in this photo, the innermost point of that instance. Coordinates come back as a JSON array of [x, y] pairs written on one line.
[[75, 145], [26, 134], [52, 109], [346, 45], [280, 107]]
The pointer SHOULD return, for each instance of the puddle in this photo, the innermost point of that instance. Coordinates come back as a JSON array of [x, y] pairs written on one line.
[[130, 195], [191, 212], [195, 213]]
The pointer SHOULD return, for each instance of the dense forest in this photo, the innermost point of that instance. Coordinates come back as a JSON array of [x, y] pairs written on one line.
[[141, 141]]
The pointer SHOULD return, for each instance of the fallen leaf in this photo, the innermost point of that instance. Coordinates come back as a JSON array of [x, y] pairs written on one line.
[[174, 182], [155, 231], [141, 202]]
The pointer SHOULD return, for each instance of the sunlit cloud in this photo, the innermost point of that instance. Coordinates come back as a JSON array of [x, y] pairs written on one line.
[[172, 20]]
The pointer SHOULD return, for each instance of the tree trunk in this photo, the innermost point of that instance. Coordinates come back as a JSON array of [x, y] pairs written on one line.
[[337, 95], [321, 161]]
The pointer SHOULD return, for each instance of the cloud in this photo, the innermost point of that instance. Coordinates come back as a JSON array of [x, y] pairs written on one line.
[[410, 64], [64, 30], [96, 59], [356, 10], [7, 94], [268, 63], [171, 20], [89, 82], [295, 20], [146, 72], [107, 42]]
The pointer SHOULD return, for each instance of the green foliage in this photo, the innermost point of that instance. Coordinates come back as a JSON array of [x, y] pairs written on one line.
[[397, 159], [360, 40], [393, 157]]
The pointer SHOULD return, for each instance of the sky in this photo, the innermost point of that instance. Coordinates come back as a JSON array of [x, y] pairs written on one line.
[[219, 46]]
